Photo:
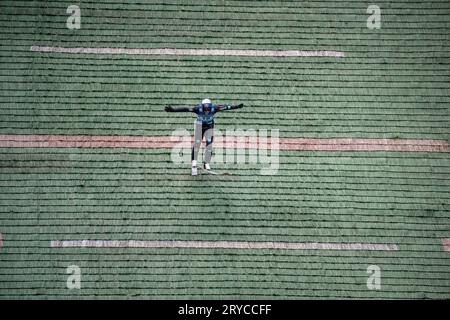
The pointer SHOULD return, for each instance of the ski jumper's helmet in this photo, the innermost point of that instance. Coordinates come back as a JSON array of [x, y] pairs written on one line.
[[206, 102]]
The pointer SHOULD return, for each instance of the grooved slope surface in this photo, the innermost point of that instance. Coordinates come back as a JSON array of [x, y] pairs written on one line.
[[392, 83]]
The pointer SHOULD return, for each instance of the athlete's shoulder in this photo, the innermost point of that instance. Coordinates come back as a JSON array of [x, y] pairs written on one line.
[[197, 108]]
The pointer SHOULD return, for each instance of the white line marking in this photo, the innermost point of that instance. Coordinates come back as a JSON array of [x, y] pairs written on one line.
[[221, 244], [193, 52]]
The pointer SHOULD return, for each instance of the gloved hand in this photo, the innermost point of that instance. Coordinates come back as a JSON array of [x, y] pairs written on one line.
[[241, 105], [168, 109]]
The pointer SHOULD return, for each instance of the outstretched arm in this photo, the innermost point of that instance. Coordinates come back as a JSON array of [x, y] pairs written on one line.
[[179, 109], [229, 107]]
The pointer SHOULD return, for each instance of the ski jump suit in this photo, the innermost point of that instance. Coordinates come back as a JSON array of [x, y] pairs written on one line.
[[204, 126]]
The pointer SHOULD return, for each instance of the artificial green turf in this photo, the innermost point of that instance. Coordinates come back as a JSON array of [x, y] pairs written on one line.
[[392, 83]]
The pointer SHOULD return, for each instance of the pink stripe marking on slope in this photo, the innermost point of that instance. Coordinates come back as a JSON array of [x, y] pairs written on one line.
[[1, 240], [287, 144], [84, 141], [446, 244]]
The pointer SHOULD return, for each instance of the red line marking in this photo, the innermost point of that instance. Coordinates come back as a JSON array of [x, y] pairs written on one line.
[[446, 244], [163, 142], [1, 240]]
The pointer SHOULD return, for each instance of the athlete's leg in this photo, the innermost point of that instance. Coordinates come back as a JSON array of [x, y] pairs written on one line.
[[209, 135], [197, 140]]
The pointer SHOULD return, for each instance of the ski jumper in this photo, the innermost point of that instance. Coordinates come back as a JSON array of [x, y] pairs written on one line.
[[203, 125]]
